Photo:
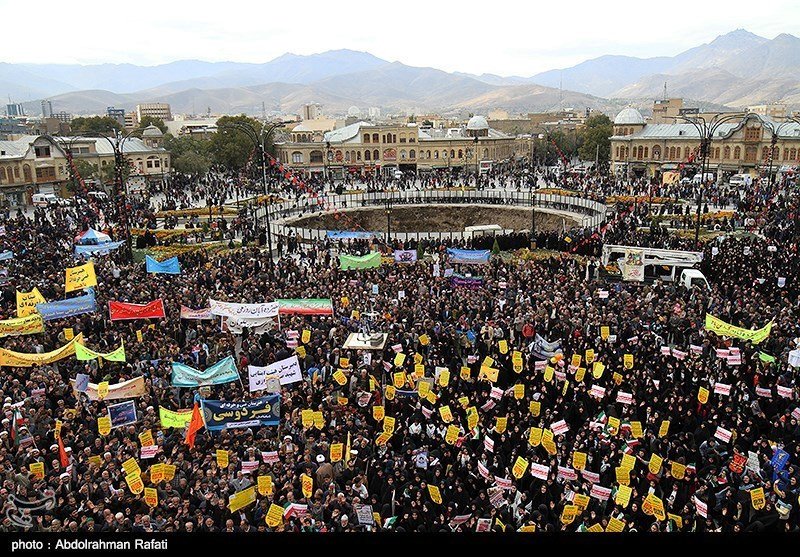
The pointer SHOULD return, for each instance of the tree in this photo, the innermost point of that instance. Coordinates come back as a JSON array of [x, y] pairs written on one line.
[[94, 124], [231, 147], [191, 163], [152, 121], [567, 142], [596, 138], [86, 170]]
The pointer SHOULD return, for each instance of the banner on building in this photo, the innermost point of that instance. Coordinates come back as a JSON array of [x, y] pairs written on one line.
[[633, 265], [369, 261], [219, 414], [131, 388], [61, 309], [722, 328], [224, 371], [121, 311]]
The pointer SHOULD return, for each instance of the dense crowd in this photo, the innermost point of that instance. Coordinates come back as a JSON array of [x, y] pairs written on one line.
[[557, 400]]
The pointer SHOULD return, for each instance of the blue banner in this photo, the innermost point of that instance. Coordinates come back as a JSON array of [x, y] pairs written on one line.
[[468, 282], [348, 235], [779, 460], [468, 255], [167, 267], [60, 309], [224, 371], [99, 249], [219, 414], [8, 254]]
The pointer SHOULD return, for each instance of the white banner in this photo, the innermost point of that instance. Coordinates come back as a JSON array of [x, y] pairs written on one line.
[[244, 311], [288, 372]]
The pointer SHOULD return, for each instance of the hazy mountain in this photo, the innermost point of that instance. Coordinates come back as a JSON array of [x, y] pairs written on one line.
[[716, 54]]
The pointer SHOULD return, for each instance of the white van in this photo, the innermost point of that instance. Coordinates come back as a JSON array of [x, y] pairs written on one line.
[[741, 180], [48, 199], [98, 195], [697, 178], [693, 277]]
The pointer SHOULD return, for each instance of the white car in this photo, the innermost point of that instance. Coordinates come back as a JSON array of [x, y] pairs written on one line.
[[48, 200]]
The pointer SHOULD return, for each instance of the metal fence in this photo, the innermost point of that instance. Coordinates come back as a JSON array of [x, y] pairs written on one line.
[[590, 213]]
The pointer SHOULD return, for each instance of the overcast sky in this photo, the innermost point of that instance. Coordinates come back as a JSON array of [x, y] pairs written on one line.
[[505, 37]]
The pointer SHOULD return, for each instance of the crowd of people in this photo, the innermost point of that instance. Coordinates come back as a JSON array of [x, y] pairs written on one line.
[[534, 396]]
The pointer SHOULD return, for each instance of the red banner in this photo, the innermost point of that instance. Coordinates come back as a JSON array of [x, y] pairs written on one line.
[[121, 310]]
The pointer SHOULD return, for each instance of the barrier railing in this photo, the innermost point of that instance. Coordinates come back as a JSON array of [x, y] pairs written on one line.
[[590, 213]]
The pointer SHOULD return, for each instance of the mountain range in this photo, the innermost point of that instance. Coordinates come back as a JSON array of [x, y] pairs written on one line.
[[733, 70]]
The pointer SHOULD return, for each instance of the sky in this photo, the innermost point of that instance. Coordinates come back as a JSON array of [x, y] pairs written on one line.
[[504, 37]]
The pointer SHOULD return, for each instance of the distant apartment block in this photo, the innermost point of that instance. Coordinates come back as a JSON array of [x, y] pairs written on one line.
[[117, 114], [312, 111], [155, 110], [15, 109]]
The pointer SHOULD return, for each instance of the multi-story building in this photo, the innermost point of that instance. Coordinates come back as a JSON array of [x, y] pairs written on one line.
[[117, 114], [62, 116], [15, 109], [47, 109], [155, 110], [639, 149], [312, 111], [365, 148], [131, 121], [30, 162]]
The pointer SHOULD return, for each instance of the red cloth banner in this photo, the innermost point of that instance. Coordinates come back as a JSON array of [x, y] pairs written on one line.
[[121, 310]]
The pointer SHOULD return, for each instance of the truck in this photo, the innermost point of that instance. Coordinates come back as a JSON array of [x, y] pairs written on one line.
[[640, 264], [740, 180]]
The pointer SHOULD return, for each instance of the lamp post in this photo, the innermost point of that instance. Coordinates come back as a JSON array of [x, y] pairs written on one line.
[[388, 205], [706, 128], [775, 131], [477, 169], [260, 139]]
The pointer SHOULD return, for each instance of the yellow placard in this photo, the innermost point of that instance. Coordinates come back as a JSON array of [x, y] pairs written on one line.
[[388, 424], [472, 420], [463, 401], [222, 458], [451, 435], [104, 425], [569, 513], [549, 371], [274, 516], [378, 412], [597, 369], [319, 419], [579, 460], [501, 423], [399, 379], [722, 328], [69, 333], [488, 361], [565, 388], [757, 498], [627, 361], [535, 436], [344, 362], [519, 391], [37, 469], [307, 485], [102, 390], [503, 346], [628, 461], [301, 351], [581, 500], [157, 473], [444, 378], [580, 374], [617, 377], [613, 424], [676, 519], [423, 389], [96, 461], [80, 277], [702, 395], [151, 497], [337, 450], [339, 377], [26, 302], [605, 331], [465, 373], [520, 467], [424, 340], [390, 392], [307, 418], [146, 438], [446, 414], [489, 373], [417, 358], [130, 466], [576, 360], [615, 525], [135, 483], [265, 485], [139, 337], [623, 496], [535, 407], [436, 495], [589, 355], [655, 464], [636, 430], [677, 470], [169, 472], [382, 439], [664, 429], [306, 336], [623, 475], [399, 358]]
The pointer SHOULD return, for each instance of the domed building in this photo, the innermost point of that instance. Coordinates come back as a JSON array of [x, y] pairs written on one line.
[[152, 136], [478, 126], [628, 121]]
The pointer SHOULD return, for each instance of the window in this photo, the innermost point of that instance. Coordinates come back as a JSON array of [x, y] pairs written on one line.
[[737, 153], [26, 172], [316, 157], [347, 156], [374, 137], [436, 154], [452, 153], [726, 152], [485, 153], [358, 155], [646, 149], [297, 157], [402, 154], [412, 154], [402, 138], [428, 154], [685, 152], [716, 153], [764, 153], [2, 174], [460, 154], [367, 155], [42, 152], [394, 138], [412, 139], [656, 152], [752, 134], [383, 138], [366, 138], [46, 173], [792, 154], [149, 164], [375, 155]]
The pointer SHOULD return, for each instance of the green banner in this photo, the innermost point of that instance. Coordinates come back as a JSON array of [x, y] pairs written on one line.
[[83, 353], [170, 418], [722, 328], [369, 261]]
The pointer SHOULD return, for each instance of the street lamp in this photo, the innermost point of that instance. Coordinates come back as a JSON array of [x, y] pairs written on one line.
[[706, 130], [477, 170], [775, 131], [259, 139], [388, 205]]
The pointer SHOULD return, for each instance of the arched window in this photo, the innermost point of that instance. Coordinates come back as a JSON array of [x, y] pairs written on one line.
[[316, 157], [366, 138], [375, 155], [792, 154], [436, 154], [452, 153], [367, 155], [737, 153], [485, 153], [347, 156], [428, 154], [394, 138], [686, 152], [764, 153], [412, 154], [297, 157], [2, 174], [403, 154], [358, 155], [656, 152], [460, 153], [716, 153], [726, 152], [646, 149], [374, 137], [26, 173]]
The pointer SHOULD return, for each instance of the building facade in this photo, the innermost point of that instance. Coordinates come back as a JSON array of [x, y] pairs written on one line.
[[639, 149], [30, 164], [365, 148], [155, 110]]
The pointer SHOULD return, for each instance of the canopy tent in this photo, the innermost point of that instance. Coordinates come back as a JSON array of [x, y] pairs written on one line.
[[92, 237]]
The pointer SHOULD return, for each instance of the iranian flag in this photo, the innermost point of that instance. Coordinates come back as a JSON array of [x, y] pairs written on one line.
[[294, 509], [305, 306]]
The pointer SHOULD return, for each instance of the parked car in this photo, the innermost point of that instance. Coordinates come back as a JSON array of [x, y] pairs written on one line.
[[48, 200]]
